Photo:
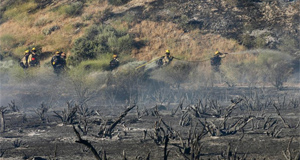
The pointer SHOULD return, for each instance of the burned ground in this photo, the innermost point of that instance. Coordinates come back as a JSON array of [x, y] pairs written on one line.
[[204, 123]]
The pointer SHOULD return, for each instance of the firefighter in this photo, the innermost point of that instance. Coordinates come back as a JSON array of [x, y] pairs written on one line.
[[166, 59], [64, 59], [24, 63], [33, 59], [58, 63], [216, 60], [63, 55], [114, 63]]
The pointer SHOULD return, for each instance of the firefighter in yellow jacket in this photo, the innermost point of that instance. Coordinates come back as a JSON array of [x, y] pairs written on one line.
[[166, 59], [216, 60], [33, 58], [24, 63]]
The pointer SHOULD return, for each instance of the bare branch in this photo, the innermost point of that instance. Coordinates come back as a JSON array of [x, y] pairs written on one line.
[[87, 144]]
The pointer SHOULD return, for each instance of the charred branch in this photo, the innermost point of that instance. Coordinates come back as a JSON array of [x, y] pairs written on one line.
[[12, 105], [87, 144], [41, 112], [190, 149], [180, 105], [2, 151], [166, 152], [108, 131], [68, 115], [282, 119], [224, 128]]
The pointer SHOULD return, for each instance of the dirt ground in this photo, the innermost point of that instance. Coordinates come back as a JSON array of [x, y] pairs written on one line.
[[27, 136]]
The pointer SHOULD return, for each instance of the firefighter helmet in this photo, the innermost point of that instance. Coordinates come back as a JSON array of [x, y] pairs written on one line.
[[57, 52], [217, 52], [168, 51], [27, 51], [115, 56], [33, 49]]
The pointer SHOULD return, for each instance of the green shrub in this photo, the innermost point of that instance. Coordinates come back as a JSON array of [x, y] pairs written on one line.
[[117, 2], [100, 40], [123, 43], [289, 44], [73, 9], [260, 42]]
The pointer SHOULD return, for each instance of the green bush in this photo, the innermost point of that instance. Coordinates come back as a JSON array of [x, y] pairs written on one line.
[[100, 40], [123, 43], [73, 9], [289, 44], [260, 42], [117, 2]]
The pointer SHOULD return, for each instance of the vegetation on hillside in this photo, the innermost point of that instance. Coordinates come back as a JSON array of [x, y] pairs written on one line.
[[89, 31]]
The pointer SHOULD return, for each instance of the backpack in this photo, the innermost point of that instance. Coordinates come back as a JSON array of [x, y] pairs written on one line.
[[114, 63], [215, 61], [55, 61], [34, 61]]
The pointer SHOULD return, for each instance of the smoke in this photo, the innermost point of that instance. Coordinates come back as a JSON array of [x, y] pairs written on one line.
[[135, 82], [263, 51], [31, 87]]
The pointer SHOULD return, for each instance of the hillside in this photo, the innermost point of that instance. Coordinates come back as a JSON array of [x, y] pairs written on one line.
[[261, 37], [186, 27]]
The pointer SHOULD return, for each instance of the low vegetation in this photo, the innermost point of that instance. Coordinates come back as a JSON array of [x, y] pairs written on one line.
[[100, 40]]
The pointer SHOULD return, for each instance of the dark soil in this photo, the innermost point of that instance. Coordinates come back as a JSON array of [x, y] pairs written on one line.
[[27, 136]]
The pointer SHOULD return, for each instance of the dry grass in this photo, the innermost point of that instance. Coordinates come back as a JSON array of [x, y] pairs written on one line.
[[165, 35]]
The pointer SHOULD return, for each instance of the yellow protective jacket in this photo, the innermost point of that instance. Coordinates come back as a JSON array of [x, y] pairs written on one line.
[[167, 59], [25, 61]]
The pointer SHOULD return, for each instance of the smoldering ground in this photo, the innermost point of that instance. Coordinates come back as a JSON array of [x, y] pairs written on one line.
[[109, 93], [130, 83]]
